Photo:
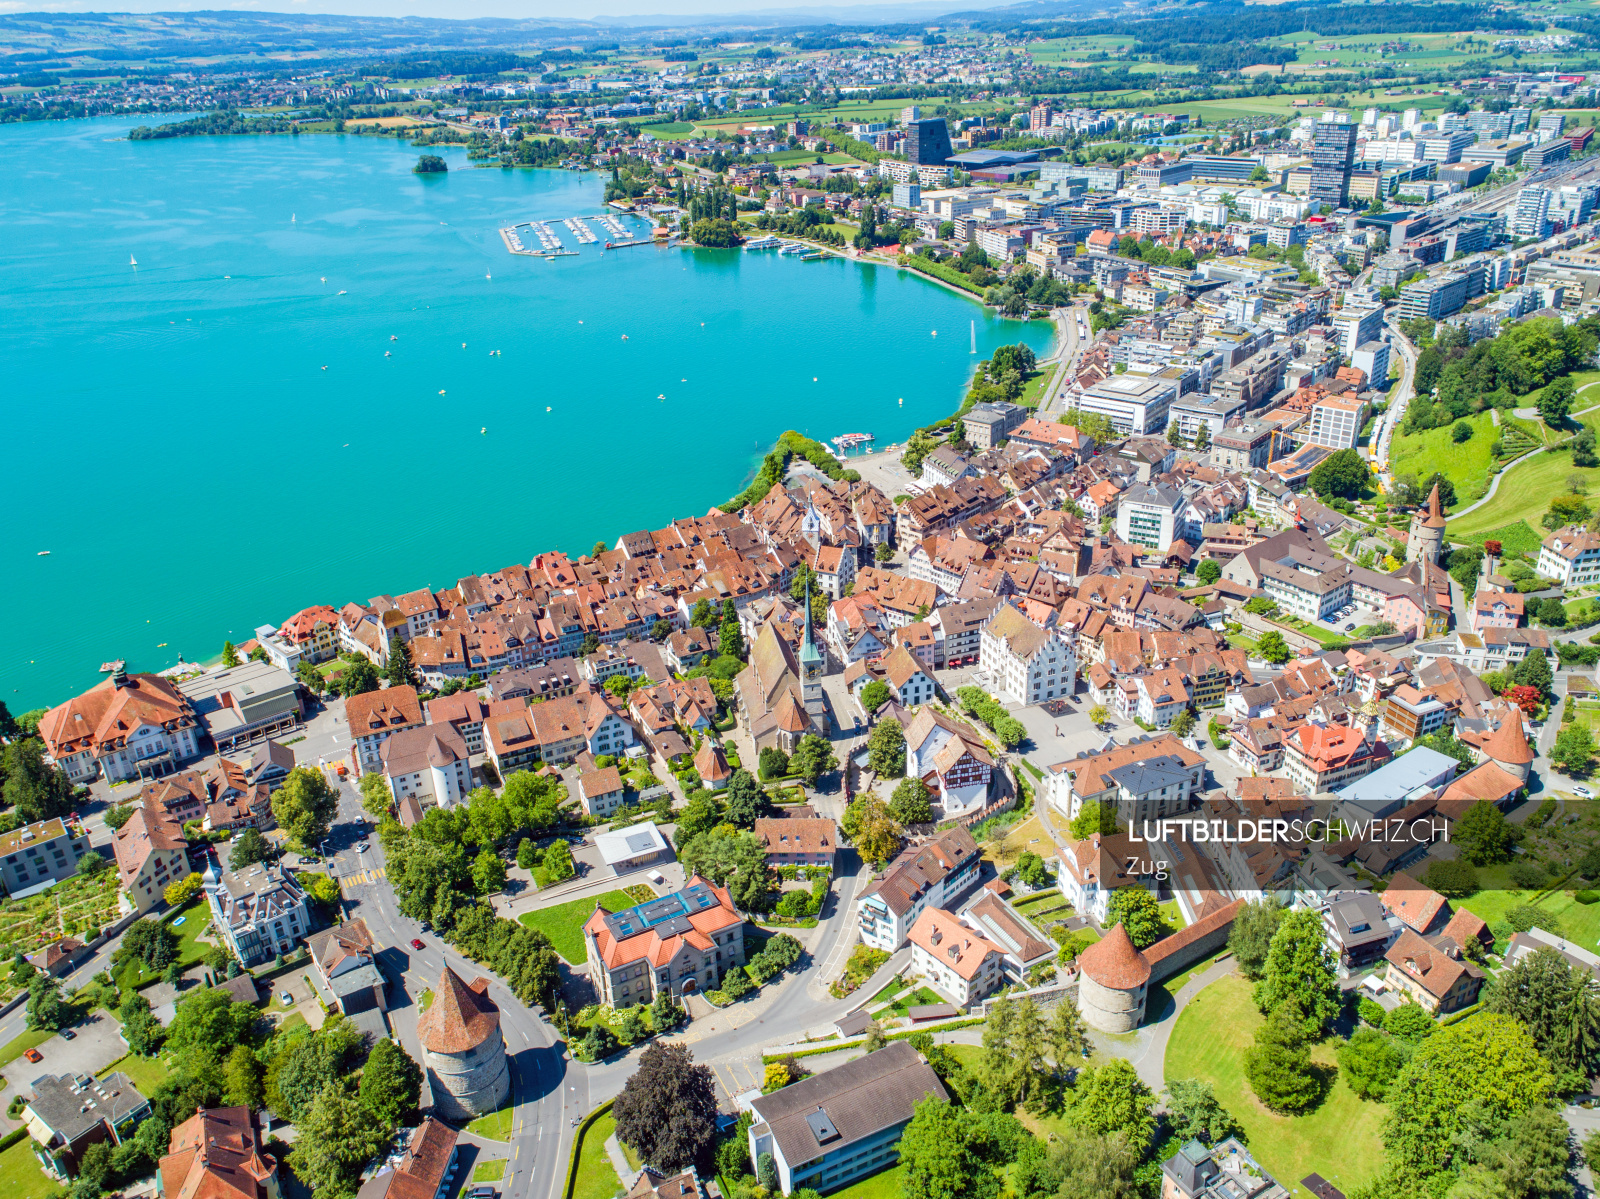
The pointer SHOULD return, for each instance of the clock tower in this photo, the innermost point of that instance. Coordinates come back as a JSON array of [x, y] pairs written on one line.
[[813, 665]]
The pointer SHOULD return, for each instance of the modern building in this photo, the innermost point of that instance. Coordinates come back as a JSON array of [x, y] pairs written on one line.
[[217, 1154], [931, 875], [844, 1123], [135, 726], [1134, 404], [1372, 359], [429, 763], [1336, 421], [1530, 218], [463, 1052], [1148, 515], [426, 1170], [1333, 149], [36, 856], [1356, 323], [70, 1112], [260, 911], [1359, 931], [240, 705], [634, 847], [681, 943], [1435, 297], [1224, 1171], [928, 142]]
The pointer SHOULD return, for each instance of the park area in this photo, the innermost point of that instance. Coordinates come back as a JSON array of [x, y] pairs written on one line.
[[564, 922], [1339, 1139]]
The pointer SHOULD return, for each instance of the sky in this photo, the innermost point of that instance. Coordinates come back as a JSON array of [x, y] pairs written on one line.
[[843, 13]]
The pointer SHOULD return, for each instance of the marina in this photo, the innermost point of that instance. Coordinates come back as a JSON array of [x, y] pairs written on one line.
[[846, 442], [550, 245], [582, 232]]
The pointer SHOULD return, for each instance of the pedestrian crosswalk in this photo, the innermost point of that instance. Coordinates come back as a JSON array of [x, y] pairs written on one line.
[[350, 882]]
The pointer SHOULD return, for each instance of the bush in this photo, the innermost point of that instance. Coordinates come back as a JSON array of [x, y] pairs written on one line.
[[1528, 875], [1371, 1012], [1586, 896]]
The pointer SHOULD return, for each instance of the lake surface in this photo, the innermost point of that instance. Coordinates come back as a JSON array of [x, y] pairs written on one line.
[[291, 399]]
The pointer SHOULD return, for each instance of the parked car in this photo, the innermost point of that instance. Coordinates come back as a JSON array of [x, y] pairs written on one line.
[[34, 1056], [1584, 792], [363, 847], [482, 1192], [1350, 628], [286, 997], [416, 944], [67, 1034]]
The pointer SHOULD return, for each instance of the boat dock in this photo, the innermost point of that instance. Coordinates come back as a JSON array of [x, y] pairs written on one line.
[[846, 442], [518, 240]]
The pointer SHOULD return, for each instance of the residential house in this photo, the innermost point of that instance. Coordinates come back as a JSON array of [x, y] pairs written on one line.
[[428, 762], [217, 1154], [908, 682], [960, 962], [601, 791], [1097, 867], [930, 875], [1023, 947], [686, 649], [426, 1170], [1325, 757], [260, 911], [346, 967], [1358, 929], [806, 841], [1437, 978], [68, 1113], [951, 759], [151, 852], [1571, 556], [1162, 695], [376, 716]]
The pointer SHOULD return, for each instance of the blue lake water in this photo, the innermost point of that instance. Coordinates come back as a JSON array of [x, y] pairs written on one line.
[[215, 438]]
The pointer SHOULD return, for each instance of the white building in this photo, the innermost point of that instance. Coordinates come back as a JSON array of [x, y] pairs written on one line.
[[1148, 515], [960, 963], [1336, 422], [427, 763], [927, 876], [1571, 556], [1133, 403], [1027, 664]]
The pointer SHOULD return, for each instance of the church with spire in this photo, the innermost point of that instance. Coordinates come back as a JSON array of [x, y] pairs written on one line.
[[1425, 538], [779, 694]]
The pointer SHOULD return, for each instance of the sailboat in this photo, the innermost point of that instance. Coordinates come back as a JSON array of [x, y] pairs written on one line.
[[291, 218], [132, 261], [974, 349]]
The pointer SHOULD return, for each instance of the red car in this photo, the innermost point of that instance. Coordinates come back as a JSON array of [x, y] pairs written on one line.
[[33, 1055], [416, 944]]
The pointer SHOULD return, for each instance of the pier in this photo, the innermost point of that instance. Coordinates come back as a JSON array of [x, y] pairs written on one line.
[[582, 232], [517, 237]]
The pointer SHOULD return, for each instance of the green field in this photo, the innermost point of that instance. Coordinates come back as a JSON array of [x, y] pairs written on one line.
[[146, 1074], [196, 917], [597, 1177], [20, 1175], [1339, 1140], [1466, 465], [1524, 494], [490, 1171], [496, 1125], [1515, 538], [563, 924], [1580, 922], [885, 1184]]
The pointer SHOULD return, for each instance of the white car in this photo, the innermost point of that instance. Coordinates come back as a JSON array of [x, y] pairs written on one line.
[[287, 998], [1582, 791]]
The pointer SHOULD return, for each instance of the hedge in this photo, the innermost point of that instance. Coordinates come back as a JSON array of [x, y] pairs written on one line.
[[938, 270], [12, 1138], [577, 1146]]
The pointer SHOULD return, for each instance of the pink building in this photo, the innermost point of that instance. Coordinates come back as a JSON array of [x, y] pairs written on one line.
[[1497, 610]]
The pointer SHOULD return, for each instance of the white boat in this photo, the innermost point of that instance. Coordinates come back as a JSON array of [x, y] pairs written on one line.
[[44, 553], [132, 261]]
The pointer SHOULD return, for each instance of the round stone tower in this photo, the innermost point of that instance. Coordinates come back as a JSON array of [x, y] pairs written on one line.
[[1425, 537], [1113, 980], [462, 1050]]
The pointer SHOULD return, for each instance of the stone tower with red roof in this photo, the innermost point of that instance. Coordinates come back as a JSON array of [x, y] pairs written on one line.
[[462, 1049]]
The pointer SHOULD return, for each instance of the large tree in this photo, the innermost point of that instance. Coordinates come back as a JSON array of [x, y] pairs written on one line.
[[909, 803], [1139, 914], [747, 802], [812, 758], [1487, 1069], [1342, 473], [1299, 973], [210, 1023], [37, 789], [360, 676], [886, 749], [736, 860], [249, 847], [1528, 1159], [667, 1112], [1251, 938], [1110, 1100], [1370, 1061], [942, 1153], [1556, 1002], [1483, 834], [391, 1082], [305, 805], [398, 668], [1195, 1114], [872, 828], [1013, 1066], [1278, 1066], [338, 1136], [1079, 1167]]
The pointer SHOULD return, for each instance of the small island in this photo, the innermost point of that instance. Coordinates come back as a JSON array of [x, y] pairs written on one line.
[[430, 164]]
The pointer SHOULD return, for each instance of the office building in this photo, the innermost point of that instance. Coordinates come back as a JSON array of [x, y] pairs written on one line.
[[1133, 403], [1446, 145], [1436, 297], [1546, 153], [1372, 358], [1336, 422], [1354, 324], [907, 195], [1147, 515], [928, 142], [845, 1123], [36, 856], [1333, 151]]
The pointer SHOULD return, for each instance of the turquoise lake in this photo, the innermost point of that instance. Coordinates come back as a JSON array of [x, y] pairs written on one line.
[[215, 438]]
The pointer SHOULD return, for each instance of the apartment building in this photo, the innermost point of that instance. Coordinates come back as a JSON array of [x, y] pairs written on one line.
[[1336, 421], [931, 875], [679, 943], [1571, 556], [36, 856], [1322, 758], [962, 964], [376, 716]]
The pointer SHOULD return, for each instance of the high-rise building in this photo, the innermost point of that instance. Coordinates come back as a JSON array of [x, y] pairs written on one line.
[[1411, 118], [1532, 215], [909, 113], [928, 142], [1039, 117], [1333, 150]]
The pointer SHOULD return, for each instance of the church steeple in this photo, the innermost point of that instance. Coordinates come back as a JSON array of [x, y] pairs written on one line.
[[808, 645]]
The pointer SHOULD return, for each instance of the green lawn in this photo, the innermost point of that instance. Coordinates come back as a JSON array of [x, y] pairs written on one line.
[[1580, 922], [563, 924], [1466, 465], [146, 1074], [1524, 494], [894, 987], [489, 1171], [196, 917], [597, 1177], [1339, 1140], [496, 1125], [20, 1175], [423, 1001], [885, 1184], [19, 1045], [917, 998]]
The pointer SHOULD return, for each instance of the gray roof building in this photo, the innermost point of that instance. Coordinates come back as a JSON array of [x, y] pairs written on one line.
[[244, 703], [70, 1112]]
